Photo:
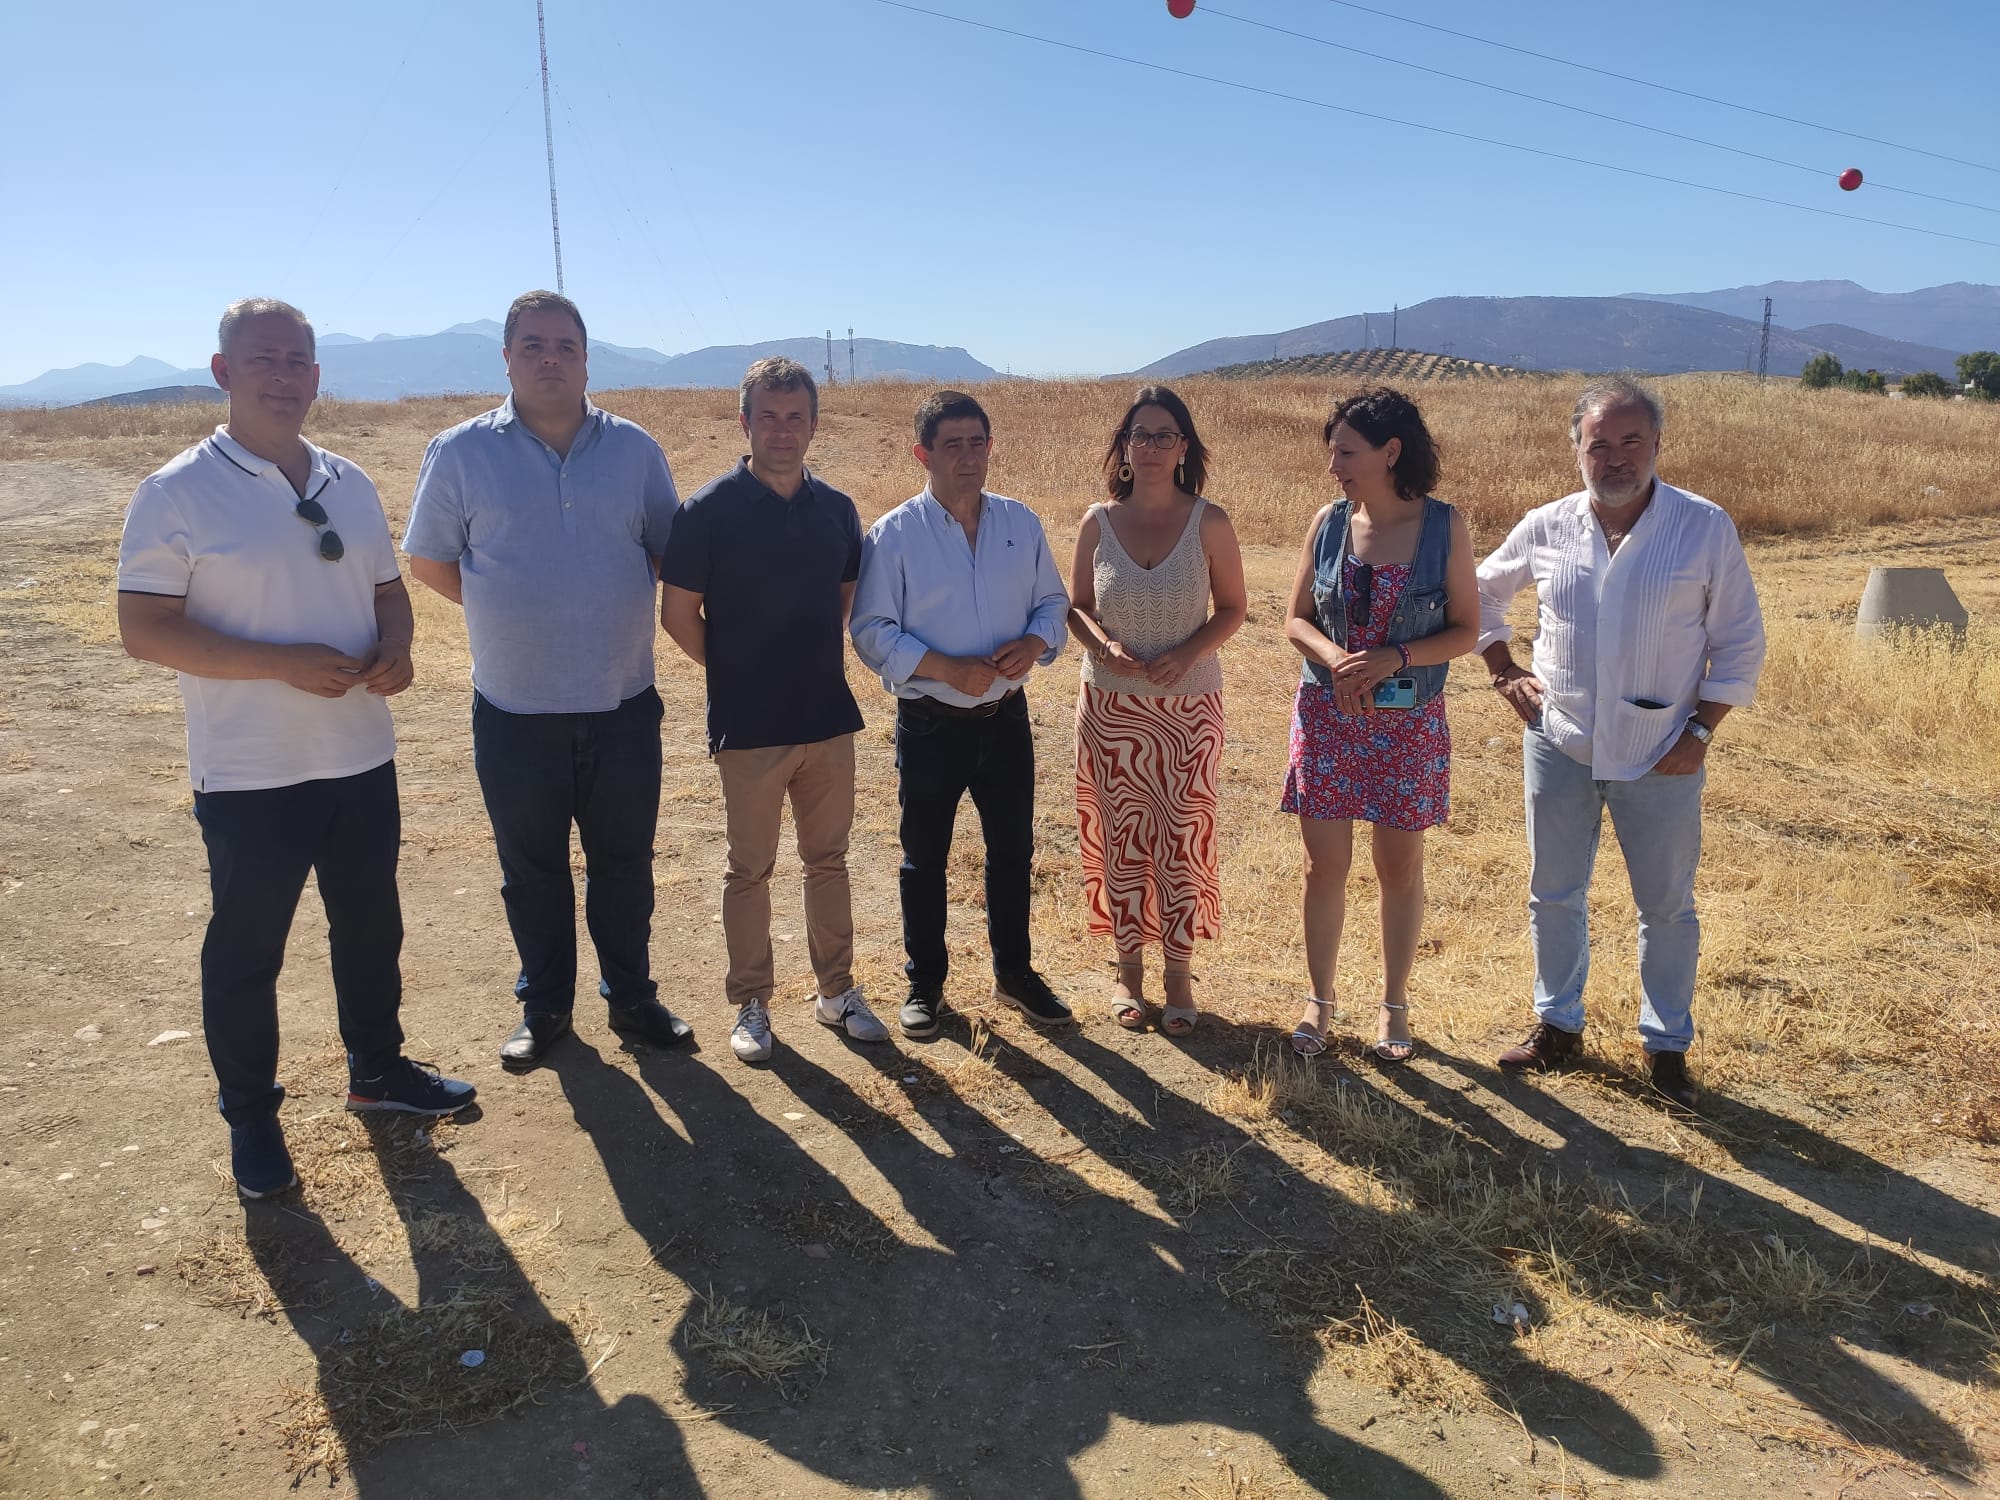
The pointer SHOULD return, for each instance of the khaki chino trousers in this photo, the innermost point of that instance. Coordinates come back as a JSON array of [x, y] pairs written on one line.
[[819, 780]]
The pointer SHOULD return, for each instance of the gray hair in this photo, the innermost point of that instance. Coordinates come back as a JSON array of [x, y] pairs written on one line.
[[244, 309], [776, 373], [1610, 393]]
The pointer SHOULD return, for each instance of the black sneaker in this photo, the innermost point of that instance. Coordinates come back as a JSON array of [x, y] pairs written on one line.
[[920, 1013], [258, 1159], [409, 1087], [1031, 993]]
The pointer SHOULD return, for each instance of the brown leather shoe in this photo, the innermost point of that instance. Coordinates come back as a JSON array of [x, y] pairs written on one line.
[[1668, 1072], [1546, 1047]]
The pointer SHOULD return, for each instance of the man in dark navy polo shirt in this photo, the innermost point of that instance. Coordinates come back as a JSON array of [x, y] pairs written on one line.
[[759, 575]]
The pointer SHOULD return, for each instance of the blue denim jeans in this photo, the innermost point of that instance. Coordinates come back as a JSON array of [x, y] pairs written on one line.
[[539, 773], [1657, 820]]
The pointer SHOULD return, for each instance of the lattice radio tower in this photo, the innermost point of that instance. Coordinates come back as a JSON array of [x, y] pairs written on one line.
[[1764, 344], [549, 135]]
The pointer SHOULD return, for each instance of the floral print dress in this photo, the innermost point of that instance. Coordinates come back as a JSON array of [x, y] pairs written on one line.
[[1391, 767]]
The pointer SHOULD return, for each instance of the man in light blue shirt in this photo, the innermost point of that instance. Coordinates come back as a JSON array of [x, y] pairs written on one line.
[[958, 600], [546, 518]]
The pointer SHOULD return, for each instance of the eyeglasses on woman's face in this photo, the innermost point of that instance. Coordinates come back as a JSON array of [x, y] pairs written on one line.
[[1165, 441]]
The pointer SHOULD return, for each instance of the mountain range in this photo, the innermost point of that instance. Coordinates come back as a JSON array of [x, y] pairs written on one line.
[[1657, 335], [1897, 333], [466, 358]]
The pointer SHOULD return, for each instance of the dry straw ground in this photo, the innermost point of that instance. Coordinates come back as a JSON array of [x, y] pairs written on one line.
[[1800, 1291]]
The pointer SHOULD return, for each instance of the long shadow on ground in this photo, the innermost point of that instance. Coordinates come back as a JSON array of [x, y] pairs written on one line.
[[1803, 1349], [982, 1364], [632, 1448]]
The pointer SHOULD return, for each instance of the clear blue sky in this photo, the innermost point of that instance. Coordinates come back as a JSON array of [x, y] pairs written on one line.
[[733, 171]]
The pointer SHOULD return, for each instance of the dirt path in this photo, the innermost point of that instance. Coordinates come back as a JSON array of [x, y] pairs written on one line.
[[996, 1265]]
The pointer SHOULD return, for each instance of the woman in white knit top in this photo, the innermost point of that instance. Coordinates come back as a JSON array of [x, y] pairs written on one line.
[[1155, 588]]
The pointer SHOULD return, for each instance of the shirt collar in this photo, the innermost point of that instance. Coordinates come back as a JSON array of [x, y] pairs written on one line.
[[251, 463], [506, 416], [748, 476], [937, 505]]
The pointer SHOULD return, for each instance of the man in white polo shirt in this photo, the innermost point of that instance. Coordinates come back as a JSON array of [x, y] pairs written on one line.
[[260, 568]]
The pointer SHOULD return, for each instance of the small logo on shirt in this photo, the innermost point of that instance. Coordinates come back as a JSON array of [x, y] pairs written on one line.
[[1010, 541]]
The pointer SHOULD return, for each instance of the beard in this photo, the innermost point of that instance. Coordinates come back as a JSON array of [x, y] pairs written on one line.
[[1615, 494]]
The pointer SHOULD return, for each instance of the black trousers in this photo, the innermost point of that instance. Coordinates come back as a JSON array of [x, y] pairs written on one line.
[[939, 759], [261, 845], [539, 773]]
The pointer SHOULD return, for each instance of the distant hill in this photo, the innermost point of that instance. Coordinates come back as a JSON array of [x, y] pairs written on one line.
[[466, 358], [1566, 333], [1961, 316], [162, 395], [1374, 364]]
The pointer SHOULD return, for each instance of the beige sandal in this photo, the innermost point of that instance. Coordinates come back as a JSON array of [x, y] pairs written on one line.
[[1178, 1020], [1130, 1011]]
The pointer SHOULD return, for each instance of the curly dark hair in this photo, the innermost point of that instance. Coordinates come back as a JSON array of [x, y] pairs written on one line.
[[1194, 459], [1380, 414]]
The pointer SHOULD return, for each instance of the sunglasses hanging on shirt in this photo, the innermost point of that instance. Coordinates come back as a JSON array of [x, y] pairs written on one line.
[[309, 510]]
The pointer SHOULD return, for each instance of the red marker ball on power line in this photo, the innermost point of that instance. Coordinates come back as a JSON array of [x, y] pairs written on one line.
[[1850, 179], [1180, 10]]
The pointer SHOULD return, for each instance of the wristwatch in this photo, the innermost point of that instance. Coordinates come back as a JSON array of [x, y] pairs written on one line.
[[1700, 730]]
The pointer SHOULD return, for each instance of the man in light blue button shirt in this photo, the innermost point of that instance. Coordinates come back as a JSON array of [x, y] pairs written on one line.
[[958, 600], [546, 518]]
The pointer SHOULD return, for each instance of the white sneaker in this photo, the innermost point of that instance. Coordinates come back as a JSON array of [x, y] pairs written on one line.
[[851, 1012], [750, 1037]]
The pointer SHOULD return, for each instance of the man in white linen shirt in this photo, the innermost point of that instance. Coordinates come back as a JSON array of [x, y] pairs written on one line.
[[1648, 634]]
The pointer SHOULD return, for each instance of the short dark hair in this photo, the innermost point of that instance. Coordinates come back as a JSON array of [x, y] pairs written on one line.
[[535, 302], [1194, 462], [776, 373], [1380, 414], [947, 406]]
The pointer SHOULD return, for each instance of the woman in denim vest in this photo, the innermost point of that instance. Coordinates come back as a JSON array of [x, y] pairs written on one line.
[[1385, 597]]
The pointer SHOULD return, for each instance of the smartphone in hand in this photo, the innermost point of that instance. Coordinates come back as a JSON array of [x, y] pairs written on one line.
[[1396, 692]]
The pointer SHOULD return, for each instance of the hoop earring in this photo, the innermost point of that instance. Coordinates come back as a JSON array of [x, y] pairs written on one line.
[[1124, 473]]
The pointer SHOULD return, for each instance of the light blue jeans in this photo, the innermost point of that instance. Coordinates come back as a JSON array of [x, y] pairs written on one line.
[[1657, 820]]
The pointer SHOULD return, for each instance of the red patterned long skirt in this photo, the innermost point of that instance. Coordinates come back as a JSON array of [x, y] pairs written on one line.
[[1145, 806]]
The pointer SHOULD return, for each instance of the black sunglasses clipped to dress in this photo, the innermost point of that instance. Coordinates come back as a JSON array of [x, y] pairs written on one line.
[[1361, 600]]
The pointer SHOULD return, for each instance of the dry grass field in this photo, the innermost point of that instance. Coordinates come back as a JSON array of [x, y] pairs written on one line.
[[1005, 1264]]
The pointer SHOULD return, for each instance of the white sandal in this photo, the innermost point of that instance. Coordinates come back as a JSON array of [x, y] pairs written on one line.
[[1308, 1041], [1386, 1048]]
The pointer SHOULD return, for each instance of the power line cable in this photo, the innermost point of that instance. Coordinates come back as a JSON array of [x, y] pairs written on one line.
[[373, 115], [451, 179], [1461, 135], [642, 227], [1776, 161], [1665, 88]]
